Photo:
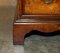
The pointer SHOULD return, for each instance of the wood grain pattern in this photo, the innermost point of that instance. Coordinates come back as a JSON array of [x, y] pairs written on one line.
[[39, 7]]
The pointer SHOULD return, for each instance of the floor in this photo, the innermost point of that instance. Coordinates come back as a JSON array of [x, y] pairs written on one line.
[[32, 44], [6, 33]]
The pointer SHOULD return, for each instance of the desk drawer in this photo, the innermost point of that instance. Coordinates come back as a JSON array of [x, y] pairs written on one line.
[[41, 7]]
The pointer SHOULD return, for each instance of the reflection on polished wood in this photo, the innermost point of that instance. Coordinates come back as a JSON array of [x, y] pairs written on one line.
[[48, 1]]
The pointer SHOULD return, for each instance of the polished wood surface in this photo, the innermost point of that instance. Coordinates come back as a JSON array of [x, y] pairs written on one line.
[[43, 27], [19, 8], [40, 7], [35, 15], [21, 29], [49, 10]]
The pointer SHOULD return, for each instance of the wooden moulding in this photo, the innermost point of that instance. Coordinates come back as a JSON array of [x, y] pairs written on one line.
[[21, 29]]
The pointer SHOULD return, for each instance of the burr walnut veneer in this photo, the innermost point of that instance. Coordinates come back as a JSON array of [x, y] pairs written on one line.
[[40, 15]]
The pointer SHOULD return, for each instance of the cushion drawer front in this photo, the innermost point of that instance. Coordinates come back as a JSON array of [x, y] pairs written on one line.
[[35, 7]]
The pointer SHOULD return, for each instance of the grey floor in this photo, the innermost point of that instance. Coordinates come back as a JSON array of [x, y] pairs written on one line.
[[33, 44]]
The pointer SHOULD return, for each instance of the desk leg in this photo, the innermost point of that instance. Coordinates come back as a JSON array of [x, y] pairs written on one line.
[[18, 35]]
